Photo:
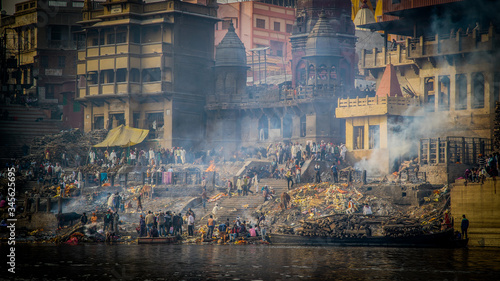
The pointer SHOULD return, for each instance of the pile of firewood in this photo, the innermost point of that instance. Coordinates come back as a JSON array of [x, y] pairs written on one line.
[[340, 226]]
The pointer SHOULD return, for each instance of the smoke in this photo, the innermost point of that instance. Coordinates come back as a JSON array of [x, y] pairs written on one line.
[[403, 138]]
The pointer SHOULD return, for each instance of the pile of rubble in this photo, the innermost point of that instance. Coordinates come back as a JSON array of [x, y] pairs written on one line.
[[320, 210]]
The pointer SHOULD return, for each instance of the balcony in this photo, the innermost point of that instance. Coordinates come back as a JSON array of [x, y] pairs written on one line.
[[380, 58], [377, 106], [453, 44]]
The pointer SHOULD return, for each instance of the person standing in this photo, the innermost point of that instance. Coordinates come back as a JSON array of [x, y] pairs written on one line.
[[84, 219], [229, 188], [211, 226], [289, 178], [317, 169], [263, 227], [161, 223], [335, 174], [116, 220], [239, 185], [190, 225], [150, 219], [142, 226], [464, 226]]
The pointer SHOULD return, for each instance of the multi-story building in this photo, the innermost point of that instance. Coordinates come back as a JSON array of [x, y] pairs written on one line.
[[265, 29], [449, 64], [323, 59], [39, 56], [147, 65]]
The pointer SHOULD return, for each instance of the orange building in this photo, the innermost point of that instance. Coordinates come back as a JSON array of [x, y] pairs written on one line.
[[264, 29]]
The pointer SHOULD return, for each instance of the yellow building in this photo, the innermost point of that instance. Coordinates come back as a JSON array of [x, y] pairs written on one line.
[[448, 70], [147, 65]]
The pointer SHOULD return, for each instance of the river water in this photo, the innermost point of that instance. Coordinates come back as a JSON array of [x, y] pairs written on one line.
[[248, 262]]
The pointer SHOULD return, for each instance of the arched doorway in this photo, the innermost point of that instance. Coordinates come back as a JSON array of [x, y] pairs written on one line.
[[287, 126], [263, 128]]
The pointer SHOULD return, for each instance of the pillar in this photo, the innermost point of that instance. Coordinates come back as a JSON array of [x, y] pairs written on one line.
[[49, 205], [37, 204]]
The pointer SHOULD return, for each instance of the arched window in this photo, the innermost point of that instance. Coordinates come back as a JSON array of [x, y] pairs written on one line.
[[263, 128], [301, 73], [478, 90], [322, 72], [429, 93], [311, 73], [333, 73]]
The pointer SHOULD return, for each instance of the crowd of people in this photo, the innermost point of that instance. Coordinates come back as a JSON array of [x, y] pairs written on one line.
[[487, 166]]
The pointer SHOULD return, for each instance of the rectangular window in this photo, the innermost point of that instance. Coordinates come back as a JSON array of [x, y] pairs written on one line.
[[260, 23], [496, 87], [76, 106], [49, 91], [44, 61], [277, 26], [358, 137], [429, 93], [121, 75], [460, 92], [98, 122], [374, 136], [111, 38], [55, 33], [444, 93], [61, 62], [151, 74], [289, 28], [121, 37]]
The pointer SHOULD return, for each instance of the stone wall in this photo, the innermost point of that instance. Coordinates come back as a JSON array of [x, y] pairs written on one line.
[[479, 202]]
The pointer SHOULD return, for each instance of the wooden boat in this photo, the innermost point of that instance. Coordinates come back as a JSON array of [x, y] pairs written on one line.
[[443, 239], [157, 240]]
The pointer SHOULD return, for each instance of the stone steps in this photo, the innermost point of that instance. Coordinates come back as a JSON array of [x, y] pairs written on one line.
[[244, 206]]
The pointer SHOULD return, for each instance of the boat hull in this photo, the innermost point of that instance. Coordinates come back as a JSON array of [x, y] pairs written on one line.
[[436, 240]]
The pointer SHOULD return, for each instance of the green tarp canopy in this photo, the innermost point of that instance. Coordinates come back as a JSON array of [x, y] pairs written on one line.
[[123, 136]]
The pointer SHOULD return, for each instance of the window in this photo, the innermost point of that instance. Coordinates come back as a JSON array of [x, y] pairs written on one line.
[[61, 61], [301, 73], [92, 78], [55, 33], [111, 38], [444, 92], [260, 23], [49, 91], [276, 48], [461, 92], [303, 126], [358, 137], [289, 28], [374, 136], [44, 61], [396, 1], [312, 73], [322, 72], [277, 26], [496, 87], [121, 75], [134, 75], [275, 123], [121, 37], [76, 106], [151, 74], [135, 35], [107, 76], [98, 122], [333, 73], [478, 90], [429, 93]]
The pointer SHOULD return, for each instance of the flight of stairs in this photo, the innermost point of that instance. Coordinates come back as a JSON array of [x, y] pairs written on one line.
[[244, 206], [22, 126]]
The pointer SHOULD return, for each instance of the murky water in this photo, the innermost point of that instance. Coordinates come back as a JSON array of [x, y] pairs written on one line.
[[250, 262]]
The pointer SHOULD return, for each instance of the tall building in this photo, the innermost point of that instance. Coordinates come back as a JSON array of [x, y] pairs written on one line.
[[264, 27], [323, 57], [148, 65], [449, 65], [38, 57]]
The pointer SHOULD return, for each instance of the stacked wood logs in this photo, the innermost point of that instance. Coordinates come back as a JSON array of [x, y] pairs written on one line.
[[339, 226]]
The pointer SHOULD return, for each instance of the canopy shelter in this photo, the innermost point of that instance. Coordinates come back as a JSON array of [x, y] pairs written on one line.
[[123, 136]]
